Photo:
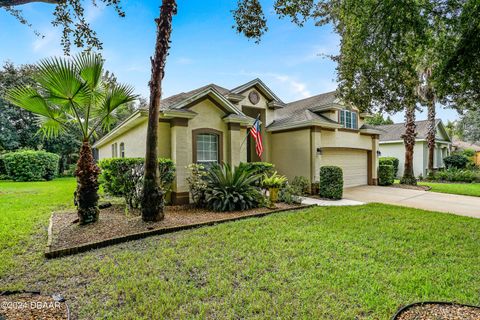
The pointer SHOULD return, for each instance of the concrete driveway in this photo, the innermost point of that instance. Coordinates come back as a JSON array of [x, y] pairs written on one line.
[[434, 201]]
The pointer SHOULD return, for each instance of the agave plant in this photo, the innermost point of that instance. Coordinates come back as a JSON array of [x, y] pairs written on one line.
[[229, 190], [71, 93]]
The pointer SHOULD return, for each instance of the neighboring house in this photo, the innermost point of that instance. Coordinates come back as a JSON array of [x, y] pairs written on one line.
[[210, 125], [459, 145], [391, 145]]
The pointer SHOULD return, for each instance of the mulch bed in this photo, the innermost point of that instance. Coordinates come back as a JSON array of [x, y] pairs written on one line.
[[439, 311], [116, 222], [28, 306], [406, 186]]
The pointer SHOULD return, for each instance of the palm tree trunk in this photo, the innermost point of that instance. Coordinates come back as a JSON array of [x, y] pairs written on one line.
[[431, 134], [86, 195], [152, 199], [409, 141]]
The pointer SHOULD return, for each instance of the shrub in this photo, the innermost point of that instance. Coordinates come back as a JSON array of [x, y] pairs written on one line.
[[468, 153], [123, 177], [385, 175], [31, 165], [331, 182], [390, 160], [301, 184], [197, 184], [457, 161], [290, 194], [229, 190], [3, 170], [261, 168], [456, 175]]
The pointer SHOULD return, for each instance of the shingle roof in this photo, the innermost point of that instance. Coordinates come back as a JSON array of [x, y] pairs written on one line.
[[394, 132], [291, 108], [298, 111], [300, 117], [459, 144], [166, 103]]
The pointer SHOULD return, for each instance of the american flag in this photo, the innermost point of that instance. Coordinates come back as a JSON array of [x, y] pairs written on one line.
[[256, 134]]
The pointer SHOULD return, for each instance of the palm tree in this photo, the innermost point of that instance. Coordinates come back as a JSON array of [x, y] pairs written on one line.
[[409, 141], [426, 94], [71, 92], [152, 199]]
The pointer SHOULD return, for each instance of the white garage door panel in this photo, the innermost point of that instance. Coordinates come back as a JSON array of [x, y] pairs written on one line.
[[352, 162]]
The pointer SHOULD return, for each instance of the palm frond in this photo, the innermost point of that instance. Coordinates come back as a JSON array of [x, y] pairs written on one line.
[[59, 77], [51, 127], [29, 99], [90, 68], [116, 96]]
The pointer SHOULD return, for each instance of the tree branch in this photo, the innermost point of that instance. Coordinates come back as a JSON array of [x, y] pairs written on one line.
[[12, 3]]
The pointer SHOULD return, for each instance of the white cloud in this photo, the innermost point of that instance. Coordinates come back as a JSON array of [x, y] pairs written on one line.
[[297, 87], [287, 85]]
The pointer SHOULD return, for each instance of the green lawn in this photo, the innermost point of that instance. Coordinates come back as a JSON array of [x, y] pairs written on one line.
[[24, 211], [468, 189], [323, 263]]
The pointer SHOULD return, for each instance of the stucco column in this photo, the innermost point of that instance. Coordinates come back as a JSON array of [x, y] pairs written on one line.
[[243, 144], [181, 142], [233, 144], [374, 164], [316, 157]]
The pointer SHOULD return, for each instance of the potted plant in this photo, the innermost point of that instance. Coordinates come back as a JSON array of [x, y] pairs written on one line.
[[273, 183]]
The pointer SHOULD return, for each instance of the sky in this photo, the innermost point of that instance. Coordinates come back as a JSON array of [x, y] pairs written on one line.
[[205, 48]]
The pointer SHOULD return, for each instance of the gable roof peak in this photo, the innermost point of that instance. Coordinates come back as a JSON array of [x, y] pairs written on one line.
[[265, 90]]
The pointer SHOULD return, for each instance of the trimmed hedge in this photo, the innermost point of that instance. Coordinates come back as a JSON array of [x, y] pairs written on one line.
[[386, 174], [331, 182], [261, 168], [457, 161], [31, 165], [120, 177], [390, 160]]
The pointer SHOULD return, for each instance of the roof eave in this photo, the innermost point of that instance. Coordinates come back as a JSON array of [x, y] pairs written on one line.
[[219, 97], [303, 124], [171, 113], [128, 123], [275, 104], [245, 120], [372, 131]]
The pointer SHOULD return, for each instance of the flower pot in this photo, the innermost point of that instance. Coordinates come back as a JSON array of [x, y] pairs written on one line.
[[273, 193]]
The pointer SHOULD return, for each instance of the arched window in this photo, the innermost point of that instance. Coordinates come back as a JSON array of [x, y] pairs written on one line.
[[114, 150], [122, 150], [207, 146]]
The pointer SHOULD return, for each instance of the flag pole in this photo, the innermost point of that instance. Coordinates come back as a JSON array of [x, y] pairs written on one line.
[[248, 131]]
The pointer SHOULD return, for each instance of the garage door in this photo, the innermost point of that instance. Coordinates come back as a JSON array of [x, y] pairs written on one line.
[[353, 163]]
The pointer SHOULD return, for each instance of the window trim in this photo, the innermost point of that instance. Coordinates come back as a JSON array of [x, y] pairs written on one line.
[[344, 112], [114, 150], [195, 134], [122, 150]]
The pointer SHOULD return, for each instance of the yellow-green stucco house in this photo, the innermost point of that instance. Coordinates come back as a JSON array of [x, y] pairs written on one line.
[[210, 124]]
